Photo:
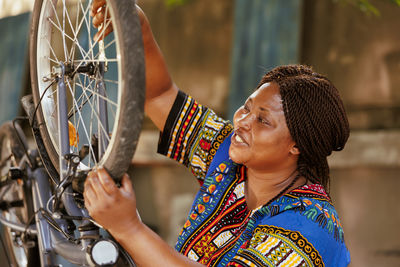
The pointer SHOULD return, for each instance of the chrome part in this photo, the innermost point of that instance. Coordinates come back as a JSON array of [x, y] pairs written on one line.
[[103, 253]]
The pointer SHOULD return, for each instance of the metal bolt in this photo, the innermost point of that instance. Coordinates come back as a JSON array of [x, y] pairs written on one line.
[[46, 79], [56, 70], [56, 215], [75, 160]]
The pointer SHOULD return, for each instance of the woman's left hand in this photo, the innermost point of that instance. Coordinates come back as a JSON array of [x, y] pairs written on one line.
[[112, 207]]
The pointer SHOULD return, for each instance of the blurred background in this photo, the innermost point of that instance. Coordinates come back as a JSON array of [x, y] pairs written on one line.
[[217, 51]]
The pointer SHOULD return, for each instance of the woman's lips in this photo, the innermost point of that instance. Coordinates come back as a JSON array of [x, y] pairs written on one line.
[[237, 139]]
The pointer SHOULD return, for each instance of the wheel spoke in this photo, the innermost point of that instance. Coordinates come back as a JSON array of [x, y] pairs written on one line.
[[74, 40], [84, 19], [64, 33], [53, 92], [59, 26], [111, 81], [111, 107], [78, 28], [69, 37], [72, 29], [101, 96], [70, 113], [90, 51], [87, 54], [87, 27], [3, 162], [80, 116], [55, 13], [52, 60], [52, 51], [76, 31], [91, 152], [105, 48], [91, 106], [82, 96], [61, 31], [94, 60]]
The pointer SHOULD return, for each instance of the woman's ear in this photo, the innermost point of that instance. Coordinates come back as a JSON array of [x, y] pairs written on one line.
[[294, 150]]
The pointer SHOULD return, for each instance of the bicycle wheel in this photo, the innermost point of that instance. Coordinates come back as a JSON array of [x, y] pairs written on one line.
[[18, 254], [62, 34]]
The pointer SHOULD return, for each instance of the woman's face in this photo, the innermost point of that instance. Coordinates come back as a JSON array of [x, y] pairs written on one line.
[[261, 138]]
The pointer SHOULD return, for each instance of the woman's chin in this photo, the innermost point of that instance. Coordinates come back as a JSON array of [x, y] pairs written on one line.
[[236, 156]]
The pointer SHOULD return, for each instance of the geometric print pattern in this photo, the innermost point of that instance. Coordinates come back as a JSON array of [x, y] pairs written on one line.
[[312, 201], [194, 135], [315, 191], [207, 239], [275, 246]]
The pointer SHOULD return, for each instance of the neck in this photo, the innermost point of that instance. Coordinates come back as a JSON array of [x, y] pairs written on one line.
[[261, 186]]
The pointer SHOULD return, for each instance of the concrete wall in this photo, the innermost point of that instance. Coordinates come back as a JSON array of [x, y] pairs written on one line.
[[15, 7], [196, 41], [360, 54]]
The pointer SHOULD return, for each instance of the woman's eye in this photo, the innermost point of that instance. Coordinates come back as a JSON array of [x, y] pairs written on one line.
[[263, 121]]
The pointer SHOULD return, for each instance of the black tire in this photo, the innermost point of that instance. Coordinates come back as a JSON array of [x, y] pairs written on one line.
[[10, 157], [125, 132]]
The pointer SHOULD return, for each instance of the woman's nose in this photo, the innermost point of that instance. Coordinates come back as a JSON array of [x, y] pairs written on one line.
[[245, 120]]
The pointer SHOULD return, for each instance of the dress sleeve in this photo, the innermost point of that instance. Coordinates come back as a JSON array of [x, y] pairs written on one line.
[[192, 134]]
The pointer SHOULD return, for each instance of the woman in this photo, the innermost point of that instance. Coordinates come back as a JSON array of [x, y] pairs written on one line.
[[264, 179]]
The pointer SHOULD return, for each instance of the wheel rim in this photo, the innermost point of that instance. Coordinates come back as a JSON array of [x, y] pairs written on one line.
[[10, 193], [19, 252], [65, 24], [6, 156]]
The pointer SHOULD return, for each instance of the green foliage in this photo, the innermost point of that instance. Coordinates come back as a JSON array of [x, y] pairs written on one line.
[[174, 3], [366, 6]]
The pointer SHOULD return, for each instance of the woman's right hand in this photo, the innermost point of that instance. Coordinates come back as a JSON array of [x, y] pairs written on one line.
[[160, 89], [102, 196], [100, 18]]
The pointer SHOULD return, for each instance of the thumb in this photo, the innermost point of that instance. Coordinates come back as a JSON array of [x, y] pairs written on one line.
[[126, 184]]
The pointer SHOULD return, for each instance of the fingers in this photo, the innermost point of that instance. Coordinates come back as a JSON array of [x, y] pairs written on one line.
[[89, 194], [99, 185], [102, 20], [127, 184], [96, 5], [106, 182], [101, 17], [88, 204]]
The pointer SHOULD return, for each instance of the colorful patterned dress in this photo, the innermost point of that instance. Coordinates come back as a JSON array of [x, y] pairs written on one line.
[[301, 228]]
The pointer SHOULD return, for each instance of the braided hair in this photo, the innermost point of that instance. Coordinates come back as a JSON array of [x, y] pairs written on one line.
[[315, 117]]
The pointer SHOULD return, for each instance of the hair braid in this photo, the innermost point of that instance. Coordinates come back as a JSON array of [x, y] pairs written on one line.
[[315, 117]]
